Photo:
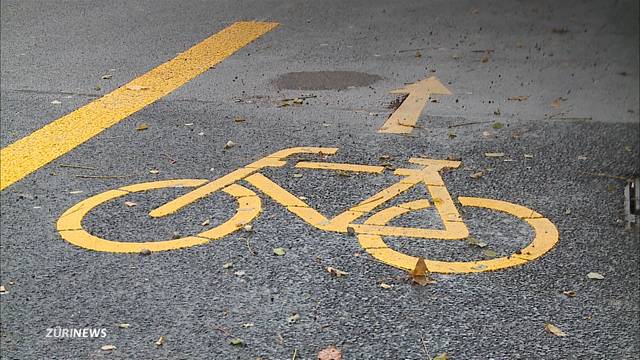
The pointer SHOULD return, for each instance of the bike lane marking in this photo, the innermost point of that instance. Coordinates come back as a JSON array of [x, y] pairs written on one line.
[[404, 119], [55, 139]]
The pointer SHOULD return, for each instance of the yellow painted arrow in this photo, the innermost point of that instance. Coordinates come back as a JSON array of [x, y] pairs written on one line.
[[404, 119]]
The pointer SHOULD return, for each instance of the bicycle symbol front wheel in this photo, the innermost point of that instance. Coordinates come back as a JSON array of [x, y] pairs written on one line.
[[70, 223], [545, 238]]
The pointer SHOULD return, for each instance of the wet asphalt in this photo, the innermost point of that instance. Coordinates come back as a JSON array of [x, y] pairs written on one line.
[[569, 146]]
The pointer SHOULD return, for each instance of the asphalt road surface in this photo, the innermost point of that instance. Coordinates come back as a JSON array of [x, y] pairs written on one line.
[[542, 112]]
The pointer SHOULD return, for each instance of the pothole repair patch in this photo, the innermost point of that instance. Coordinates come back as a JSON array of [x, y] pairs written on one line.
[[324, 80]]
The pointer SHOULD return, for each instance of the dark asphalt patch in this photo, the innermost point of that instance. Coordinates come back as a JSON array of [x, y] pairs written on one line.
[[325, 80]]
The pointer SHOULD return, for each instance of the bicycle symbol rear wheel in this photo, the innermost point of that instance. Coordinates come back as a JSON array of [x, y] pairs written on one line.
[[70, 223], [545, 238]]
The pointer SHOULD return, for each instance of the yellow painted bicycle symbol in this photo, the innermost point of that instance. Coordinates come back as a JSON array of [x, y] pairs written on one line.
[[370, 232]]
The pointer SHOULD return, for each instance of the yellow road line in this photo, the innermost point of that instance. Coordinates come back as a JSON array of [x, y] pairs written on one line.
[[28, 154]]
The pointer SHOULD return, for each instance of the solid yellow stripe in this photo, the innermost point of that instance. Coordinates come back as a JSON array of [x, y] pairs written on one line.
[[61, 136]]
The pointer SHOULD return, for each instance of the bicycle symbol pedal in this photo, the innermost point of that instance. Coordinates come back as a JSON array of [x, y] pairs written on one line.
[[370, 232]]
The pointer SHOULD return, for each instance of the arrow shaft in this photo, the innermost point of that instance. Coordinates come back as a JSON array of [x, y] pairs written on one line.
[[404, 119]]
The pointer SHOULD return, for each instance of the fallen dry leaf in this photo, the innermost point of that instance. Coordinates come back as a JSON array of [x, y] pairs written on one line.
[[293, 318], [477, 175], [123, 326], [229, 144], [227, 265], [475, 242], [107, 347], [206, 222], [490, 253], [247, 325], [106, 77], [595, 276], [385, 286], [3, 290], [497, 125], [239, 119], [130, 203], [154, 171], [142, 127], [557, 103], [248, 228], [330, 353], [160, 341], [569, 293], [420, 274], [236, 342], [554, 330], [442, 356], [518, 98], [240, 273], [297, 175], [279, 251], [335, 272]]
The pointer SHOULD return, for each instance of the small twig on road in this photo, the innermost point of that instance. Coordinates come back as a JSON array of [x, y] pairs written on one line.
[[410, 50], [469, 123], [424, 347], [101, 176], [77, 167], [295, 353], [222, 330], [600, 174], [246, 240], [171, 160]]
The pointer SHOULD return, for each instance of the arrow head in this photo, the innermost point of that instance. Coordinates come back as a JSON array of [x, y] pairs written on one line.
[[429, 85]]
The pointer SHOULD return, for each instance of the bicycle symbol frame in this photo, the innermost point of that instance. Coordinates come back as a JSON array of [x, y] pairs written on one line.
[[370, 232]]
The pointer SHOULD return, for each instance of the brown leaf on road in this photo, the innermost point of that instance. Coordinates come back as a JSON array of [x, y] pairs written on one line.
[[569, 293], [420, 274], [554, 330], [330, 353], [477, 175], [557, 103], [108, 347], [142, 127], [518, 98], [442, 356]]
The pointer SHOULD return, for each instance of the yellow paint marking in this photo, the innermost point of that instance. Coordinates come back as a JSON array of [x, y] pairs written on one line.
[[546, 237], [70, 223], [419, 204], [61, 136], [404, 119], [340, 167], [178, 203], [284, 153], [370, 233]]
